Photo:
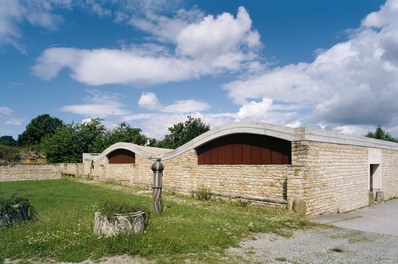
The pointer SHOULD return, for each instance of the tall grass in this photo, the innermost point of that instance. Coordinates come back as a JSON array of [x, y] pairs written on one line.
[[63, 230]]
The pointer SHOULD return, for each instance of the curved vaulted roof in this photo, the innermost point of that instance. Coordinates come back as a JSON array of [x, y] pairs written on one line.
[[277, 131], [282, 132], [146, 152]]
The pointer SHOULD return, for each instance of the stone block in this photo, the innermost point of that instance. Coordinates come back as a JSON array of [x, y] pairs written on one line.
[[132, 223], [299, 207], [379, 196]]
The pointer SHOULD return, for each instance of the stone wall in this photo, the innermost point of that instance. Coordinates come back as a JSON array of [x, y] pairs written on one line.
[[72, 169], [389, 173], [328, 177], [17, 172], [139, 173], [335, 176], [268, 182]]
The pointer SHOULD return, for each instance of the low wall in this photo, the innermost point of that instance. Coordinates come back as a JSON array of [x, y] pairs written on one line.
[[268, 182], [73, 169], [18, 172]]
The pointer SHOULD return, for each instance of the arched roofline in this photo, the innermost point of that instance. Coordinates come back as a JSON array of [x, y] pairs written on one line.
[[127, 146], [265, 129], [281, 132]]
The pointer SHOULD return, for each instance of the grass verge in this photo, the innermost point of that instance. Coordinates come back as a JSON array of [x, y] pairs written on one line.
[[63, 230]]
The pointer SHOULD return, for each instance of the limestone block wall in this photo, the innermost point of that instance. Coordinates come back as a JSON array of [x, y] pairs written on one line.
[[389, 172], [183, 174], [16, 172], [335, 176], [73, 169], [139, 173]]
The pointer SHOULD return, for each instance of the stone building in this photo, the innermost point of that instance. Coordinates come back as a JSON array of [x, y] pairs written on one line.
[[329, 171]]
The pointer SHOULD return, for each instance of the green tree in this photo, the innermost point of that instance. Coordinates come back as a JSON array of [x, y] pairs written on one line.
[[62, 146], [38, 128], [182, 133], [69, 142], [8, 141], [381, 134], [124, 133], [88, 134]]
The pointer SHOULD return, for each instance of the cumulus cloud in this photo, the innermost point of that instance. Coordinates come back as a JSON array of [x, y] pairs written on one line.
[[267, 111], [149, 101], [220, 37], [352, 83], [233, 47]]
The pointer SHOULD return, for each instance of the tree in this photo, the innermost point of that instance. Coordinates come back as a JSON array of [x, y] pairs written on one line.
[[38, 128], [69, 142], [182, 133], [381, 134], [88, 134], [62, 146], [8, 141]]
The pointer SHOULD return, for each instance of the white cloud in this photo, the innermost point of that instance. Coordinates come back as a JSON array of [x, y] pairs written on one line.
[[37, 13], [163, 28], [149, 101], [254, 110], [267, 111], [14, 122], [185, 106], [352, 83], [99, 104], [232, 48], [109, 107], [5, 111], [111, 66], [45, 14], [55, 59], [221, 36]]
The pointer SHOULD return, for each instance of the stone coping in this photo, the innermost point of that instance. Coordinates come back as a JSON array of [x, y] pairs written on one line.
[[282, 132], [146, 152], [277, 131]]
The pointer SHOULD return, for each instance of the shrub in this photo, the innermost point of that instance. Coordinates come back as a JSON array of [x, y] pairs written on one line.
[[110, 209], [9, 154], [203, 193], [16, 210]]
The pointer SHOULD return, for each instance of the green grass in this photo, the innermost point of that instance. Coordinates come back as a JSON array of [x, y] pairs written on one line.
[[63, 230]]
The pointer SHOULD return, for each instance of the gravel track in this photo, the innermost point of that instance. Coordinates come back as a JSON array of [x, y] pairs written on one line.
[[319, 245]]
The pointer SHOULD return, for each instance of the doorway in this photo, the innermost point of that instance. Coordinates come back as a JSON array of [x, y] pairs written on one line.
[[374, 177]]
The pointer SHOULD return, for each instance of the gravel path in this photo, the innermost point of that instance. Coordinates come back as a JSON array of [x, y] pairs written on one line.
[[320, 245]]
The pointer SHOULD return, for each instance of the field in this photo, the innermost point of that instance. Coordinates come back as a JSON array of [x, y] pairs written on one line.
[[188, 227]]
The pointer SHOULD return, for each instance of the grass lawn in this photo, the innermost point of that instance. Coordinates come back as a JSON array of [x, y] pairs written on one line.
[[64, 228]]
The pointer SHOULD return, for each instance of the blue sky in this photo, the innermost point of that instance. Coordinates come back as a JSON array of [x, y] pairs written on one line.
[[325, 64]]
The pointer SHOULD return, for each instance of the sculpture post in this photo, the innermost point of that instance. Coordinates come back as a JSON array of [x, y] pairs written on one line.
[[157, 168]]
